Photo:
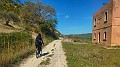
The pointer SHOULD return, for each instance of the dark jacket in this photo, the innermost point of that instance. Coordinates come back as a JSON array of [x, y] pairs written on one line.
[[38, 41]]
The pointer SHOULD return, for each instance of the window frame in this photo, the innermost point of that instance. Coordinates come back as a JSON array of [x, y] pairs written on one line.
[[105, 17], [94, 23]]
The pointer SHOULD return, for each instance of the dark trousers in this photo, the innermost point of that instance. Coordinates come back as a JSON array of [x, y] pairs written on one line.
[[39, 47]]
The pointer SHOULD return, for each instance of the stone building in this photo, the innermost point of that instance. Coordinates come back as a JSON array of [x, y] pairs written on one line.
[[106, 24]]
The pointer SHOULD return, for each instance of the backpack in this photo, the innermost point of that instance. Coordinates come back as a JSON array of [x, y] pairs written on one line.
[[37, 40]]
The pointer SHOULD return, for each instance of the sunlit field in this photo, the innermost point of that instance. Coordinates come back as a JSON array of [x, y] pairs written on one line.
[[89, 55]]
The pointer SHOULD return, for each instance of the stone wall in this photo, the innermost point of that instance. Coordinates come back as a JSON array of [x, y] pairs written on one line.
[[115, 41]]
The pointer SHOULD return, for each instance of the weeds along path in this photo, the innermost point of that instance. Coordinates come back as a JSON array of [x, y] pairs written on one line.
[[53, 51]]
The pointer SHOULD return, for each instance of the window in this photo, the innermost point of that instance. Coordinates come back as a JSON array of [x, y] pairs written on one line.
[[105, 17], [104, 36], [94, 22], [94, 36]]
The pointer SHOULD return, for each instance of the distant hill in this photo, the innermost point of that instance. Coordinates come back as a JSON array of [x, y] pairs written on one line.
[[82, 37]]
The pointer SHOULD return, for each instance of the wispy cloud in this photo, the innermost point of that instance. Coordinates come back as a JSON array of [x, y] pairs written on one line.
[[67, 16], [59, 13]]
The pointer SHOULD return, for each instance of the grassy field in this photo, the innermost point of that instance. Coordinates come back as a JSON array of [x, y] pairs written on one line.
[[88, 55]]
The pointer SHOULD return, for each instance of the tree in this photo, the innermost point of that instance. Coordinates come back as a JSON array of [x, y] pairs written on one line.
[[30, 14]]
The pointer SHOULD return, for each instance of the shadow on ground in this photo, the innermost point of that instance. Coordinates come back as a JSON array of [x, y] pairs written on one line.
[[43, 54]]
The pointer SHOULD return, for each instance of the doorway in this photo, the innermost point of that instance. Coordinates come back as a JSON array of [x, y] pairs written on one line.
[[99, 37]]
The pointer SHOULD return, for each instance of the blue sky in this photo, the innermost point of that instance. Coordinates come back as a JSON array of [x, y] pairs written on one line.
[[74, 16]]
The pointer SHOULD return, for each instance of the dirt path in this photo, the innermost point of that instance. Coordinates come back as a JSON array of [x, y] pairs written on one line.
[[53, 51]]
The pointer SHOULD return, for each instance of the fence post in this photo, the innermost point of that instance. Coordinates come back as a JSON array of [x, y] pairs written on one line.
[[11, 38], [3, 38], [21, 43], [8, 42], [21, 39]]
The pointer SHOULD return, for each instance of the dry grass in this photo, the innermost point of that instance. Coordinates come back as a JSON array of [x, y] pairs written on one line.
[[13, 46]]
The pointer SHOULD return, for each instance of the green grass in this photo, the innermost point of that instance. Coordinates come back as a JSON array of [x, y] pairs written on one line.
[[88, 55]]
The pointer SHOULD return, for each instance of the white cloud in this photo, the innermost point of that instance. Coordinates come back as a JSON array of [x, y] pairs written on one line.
[[67, 16]]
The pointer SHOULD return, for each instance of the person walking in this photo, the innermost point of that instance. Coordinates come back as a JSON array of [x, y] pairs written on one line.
[[38, 44]]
